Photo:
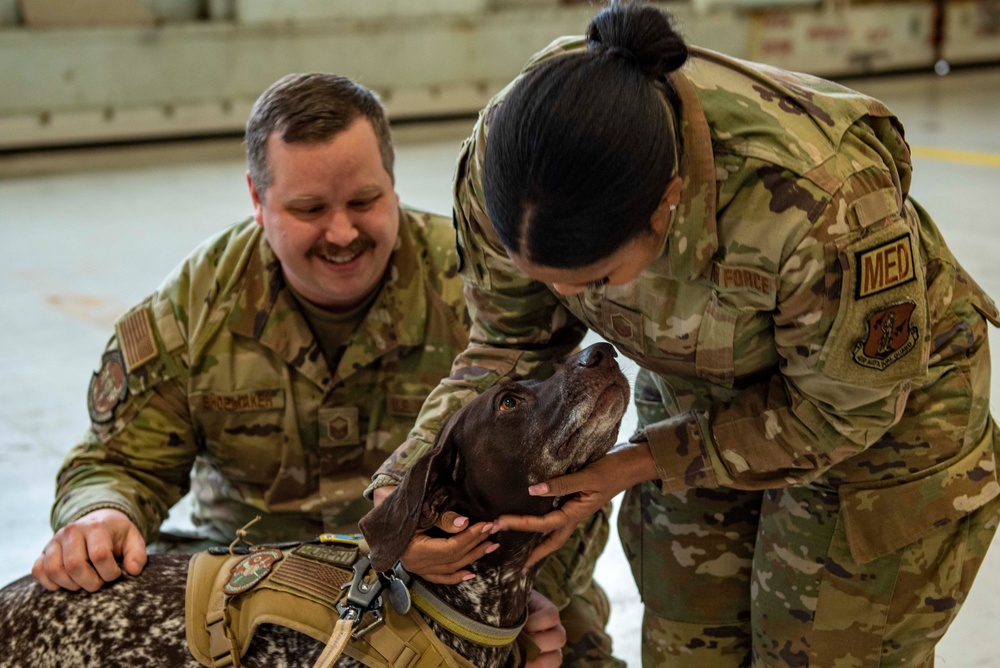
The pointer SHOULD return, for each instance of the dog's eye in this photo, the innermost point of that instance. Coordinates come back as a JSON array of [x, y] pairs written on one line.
[[508, 402]]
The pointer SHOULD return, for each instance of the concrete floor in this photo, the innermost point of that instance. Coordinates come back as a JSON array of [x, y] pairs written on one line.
[[87, 234]]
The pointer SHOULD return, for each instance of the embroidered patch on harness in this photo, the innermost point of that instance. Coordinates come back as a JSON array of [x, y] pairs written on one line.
[[312, 577], [337, 556], [250, 570], [884, 267], [890, 335], [108, 388], [135, 335]]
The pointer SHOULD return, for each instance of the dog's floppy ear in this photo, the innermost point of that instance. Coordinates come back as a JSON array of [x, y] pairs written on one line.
[[415, 504]]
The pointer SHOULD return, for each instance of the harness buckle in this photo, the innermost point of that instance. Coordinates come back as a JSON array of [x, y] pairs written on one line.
[[377, 620], [362, 596]]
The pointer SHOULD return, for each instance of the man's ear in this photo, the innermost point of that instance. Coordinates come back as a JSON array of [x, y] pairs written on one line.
[[258, 203], [415, 504]]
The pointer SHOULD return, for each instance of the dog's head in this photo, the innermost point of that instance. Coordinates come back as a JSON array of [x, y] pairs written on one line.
[[514, 435]]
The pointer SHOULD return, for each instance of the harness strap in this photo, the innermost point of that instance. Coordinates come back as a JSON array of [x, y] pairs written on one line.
[[219, 626], [223, 652], [404, 641], [335, 646]]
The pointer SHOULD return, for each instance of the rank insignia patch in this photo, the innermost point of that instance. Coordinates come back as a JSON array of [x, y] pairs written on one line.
[[108, 388], [250, 570], [890, 335], [341, 425]]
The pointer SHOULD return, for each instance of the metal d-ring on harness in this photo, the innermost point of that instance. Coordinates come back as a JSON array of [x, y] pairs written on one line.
[[364, 596]]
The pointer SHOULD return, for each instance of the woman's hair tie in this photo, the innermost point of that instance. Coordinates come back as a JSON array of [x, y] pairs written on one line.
[[623, 53]]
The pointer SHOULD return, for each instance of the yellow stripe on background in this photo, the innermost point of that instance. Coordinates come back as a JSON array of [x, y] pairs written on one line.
[[954, 155]]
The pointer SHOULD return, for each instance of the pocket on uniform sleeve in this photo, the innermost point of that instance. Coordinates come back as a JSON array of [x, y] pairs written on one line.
[[714, 359], [884, 516], [881, 335]]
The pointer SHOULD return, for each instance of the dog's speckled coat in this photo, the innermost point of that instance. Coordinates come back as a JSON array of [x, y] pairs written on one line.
[[480, 466]]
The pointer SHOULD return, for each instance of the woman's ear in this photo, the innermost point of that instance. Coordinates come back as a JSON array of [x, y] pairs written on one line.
[[664, 215], [672, 195]]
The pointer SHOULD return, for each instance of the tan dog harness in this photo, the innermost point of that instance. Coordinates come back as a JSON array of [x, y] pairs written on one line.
[[299, 586]]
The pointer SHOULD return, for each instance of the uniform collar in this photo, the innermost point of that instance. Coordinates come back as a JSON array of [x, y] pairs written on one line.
[[266, 310], [693, 238]]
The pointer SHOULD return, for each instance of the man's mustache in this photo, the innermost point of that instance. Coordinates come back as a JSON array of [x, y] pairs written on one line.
[[359, 245]]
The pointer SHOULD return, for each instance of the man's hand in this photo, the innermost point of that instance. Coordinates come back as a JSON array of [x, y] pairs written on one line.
[[443, 560], [84, 554], [593, 486], [545, 630]]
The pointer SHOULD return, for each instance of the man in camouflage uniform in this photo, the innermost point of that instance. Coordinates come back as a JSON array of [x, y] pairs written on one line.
[[817, 477], [278, 365]]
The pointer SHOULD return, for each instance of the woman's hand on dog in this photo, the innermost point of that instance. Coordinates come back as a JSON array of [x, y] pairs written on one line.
[[589, 489], [84, 554], [443, 560], [544, 628]]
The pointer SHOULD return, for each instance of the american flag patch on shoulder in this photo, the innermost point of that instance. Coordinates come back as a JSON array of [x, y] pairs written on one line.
[[135, 335]]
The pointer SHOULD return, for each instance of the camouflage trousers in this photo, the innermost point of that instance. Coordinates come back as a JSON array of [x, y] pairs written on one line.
[[766, 579], [567, 579]]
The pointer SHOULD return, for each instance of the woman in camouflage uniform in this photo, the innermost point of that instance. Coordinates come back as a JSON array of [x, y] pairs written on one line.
[[813, 481]]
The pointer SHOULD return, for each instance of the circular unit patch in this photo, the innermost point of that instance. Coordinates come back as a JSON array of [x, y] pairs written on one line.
[[250, 570], [108, 388]]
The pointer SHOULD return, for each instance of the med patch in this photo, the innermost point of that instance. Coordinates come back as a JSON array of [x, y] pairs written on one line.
[[879, 336], [884, 267], [108, 388]]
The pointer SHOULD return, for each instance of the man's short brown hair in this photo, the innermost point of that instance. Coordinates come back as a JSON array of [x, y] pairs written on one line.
[[306, 108]]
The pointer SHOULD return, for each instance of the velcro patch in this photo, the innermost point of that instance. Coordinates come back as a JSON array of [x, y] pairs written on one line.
[[889, 336], [339, 426], [730, 278], [250, 570], [626, 325], [108, 388], [237, 402], [884, 267], [879, 336], [343, 557], [311, 576], [135, 335], [166, 325]]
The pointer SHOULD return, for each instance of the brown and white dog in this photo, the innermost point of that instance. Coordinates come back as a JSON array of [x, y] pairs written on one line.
[[514, 435]]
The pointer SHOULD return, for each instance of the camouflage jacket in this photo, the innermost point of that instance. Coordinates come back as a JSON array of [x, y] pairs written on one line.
[[804, 317], [218, 372]]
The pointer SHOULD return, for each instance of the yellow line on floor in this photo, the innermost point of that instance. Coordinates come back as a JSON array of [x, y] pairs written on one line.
[[954, 155]]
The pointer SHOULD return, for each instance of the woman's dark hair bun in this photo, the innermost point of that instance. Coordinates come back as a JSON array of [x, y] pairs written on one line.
[[639, 33]]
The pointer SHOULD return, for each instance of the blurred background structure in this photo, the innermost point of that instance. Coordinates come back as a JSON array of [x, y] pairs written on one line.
[[120, 127], [80, 71]]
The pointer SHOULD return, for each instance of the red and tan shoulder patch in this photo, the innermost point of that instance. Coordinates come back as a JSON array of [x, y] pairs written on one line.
[[108, 388], [879, 336], [890, 334]]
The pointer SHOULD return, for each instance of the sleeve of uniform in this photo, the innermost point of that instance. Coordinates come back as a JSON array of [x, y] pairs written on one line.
[[519, 328], [138, 453], [851, 329]]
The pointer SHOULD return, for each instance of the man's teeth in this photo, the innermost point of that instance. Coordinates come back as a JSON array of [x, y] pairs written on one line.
[[339, 259]]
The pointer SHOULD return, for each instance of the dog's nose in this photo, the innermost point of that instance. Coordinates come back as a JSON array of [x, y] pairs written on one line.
[[596, 354]]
